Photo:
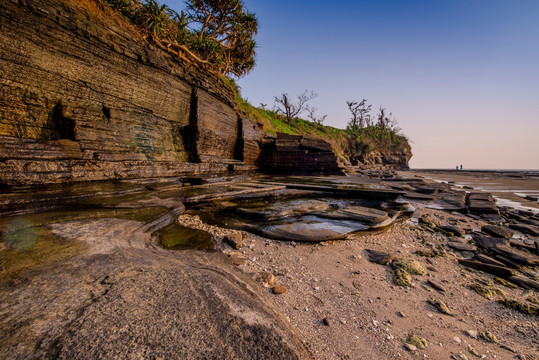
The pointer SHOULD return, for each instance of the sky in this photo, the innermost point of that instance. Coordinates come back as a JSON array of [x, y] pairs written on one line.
[[461, 76]]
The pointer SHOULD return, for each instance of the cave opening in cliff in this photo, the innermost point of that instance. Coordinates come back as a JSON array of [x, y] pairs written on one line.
[[190, 132], [239, 144], [64, 126]]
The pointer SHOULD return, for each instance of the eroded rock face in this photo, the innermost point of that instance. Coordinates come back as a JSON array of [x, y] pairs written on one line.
[[121, 295], [84, 97]]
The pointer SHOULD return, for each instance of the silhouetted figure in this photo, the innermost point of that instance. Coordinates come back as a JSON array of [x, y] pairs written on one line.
[[457, 168], [460, 167]]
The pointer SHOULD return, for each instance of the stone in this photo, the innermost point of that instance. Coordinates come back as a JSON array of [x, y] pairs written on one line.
[[497, 231], [441, 306], [436, 285], [379, 257], [505, 283], [266, 278], [500, 246], [493, 218], [457, 231], [488, 260], [481, 203], [428, 220], [115, 281], [280, 289], [457, 340], [525, 229], [237, 259], [411, 266], [491, 269], [457, 245], [417, 341], [326, 321], [410, 347], [482, 290], [235, 240], [287, 154], [459, 356], [528, 309], [474, 334], [488, 336], [524, 282], [401, 277]]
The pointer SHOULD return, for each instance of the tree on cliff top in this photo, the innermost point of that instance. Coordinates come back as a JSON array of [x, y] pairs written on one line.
[[360, 114], [289, 108], [214, 33], [223, 34]]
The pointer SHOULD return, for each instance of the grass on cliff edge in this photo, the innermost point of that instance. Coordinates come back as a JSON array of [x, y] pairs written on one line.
[[345, 143]]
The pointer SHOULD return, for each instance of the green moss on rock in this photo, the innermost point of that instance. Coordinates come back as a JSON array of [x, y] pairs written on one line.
[[416, 341], [520, 306]]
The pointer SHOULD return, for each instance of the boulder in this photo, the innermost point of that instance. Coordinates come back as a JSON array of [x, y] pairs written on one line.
[[481, 203]]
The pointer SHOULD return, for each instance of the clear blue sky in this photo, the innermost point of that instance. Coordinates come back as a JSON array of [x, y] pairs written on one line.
[[460, 76]]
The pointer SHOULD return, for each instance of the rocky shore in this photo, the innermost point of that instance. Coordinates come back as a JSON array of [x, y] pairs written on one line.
[[367, 266]]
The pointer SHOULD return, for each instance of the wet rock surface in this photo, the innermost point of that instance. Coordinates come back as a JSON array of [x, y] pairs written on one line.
[[119, 284]]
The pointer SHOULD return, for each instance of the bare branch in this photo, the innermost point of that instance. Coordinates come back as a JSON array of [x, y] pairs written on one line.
[[290, 110]]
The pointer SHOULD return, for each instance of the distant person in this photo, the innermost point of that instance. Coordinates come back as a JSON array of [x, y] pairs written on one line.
[[460, 167], [457, 168]]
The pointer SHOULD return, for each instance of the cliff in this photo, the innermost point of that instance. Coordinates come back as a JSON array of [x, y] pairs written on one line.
[[84, 97]]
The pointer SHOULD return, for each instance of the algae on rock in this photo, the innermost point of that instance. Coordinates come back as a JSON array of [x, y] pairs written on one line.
[[403, 268], [416, 341]]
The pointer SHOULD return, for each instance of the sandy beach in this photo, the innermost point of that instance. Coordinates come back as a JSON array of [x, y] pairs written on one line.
[[346, 307]]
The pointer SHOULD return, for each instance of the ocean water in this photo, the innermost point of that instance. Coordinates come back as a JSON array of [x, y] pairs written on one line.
[[508, 186]]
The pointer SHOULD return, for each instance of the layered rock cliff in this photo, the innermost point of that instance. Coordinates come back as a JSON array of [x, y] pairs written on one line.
[[84, 97]]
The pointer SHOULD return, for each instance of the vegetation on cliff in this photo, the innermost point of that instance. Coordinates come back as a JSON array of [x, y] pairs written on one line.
[[353, 143], [216, 34]]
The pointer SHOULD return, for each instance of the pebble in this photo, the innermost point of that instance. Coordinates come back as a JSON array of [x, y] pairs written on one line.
[[235, 240], [472, 333], [326, 321], [457, 340], [401, 314], [410, 347], [279, 289], [266, 278]]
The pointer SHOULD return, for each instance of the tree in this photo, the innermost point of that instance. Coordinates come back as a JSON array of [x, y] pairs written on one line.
[[387, 122], [313, 117], [223, 34], [160, 20], [360, 114], [290, 110]]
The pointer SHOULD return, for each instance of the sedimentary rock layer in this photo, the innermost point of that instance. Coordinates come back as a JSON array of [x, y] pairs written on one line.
[[84, 97]]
